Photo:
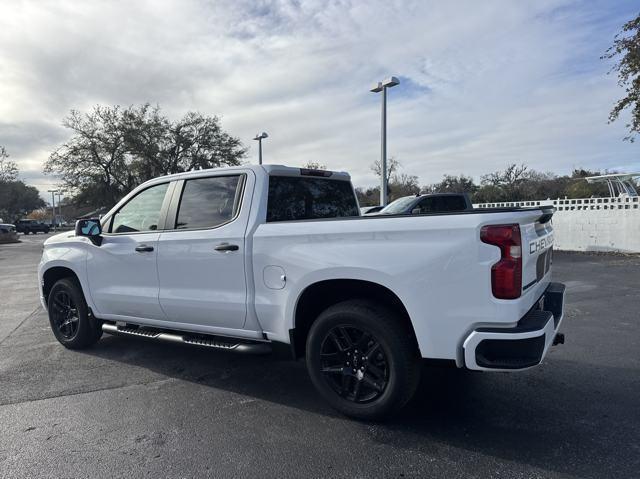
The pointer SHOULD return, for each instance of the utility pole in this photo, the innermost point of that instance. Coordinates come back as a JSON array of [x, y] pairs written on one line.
[[377, 88], [53, 208]]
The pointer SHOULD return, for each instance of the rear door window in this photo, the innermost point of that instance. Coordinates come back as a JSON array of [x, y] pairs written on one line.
[[209, 202], [302, 198]]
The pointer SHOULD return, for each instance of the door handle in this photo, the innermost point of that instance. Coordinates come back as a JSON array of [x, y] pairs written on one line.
[[227, 247], [143, 248]]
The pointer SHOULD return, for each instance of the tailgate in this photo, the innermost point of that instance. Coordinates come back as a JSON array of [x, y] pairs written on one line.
[[537, 250]]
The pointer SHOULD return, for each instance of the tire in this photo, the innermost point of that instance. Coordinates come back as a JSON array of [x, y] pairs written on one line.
[[382, 379], [26, 232], [65, 303]]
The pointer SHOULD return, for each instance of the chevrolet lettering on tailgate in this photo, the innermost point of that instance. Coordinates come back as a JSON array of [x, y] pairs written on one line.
[[541, 244]]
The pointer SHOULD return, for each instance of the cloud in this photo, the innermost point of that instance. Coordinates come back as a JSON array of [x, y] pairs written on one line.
[[484, 84]]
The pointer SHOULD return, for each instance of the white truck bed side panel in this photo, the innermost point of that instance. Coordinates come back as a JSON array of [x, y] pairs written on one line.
[[436, 265]]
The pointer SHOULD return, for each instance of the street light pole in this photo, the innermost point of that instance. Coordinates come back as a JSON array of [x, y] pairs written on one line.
[[383, 150], [381, 87], [259, 137], [53, 208]]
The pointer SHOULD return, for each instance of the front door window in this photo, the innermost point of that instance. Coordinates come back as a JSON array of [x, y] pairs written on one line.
[[140, 213]]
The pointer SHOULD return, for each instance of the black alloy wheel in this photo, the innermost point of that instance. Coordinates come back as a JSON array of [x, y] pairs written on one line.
[[64, 314], [354, 364], [71, 322], [363, 358]]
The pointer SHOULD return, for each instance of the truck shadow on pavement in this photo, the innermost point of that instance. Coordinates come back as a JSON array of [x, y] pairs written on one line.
[[561, 417]]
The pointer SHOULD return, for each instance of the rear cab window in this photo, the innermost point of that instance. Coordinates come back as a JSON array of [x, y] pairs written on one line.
[[439, 204], [303, 198], [209, 202]]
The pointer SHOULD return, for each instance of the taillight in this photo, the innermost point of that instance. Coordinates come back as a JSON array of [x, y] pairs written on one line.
[[506, 274]]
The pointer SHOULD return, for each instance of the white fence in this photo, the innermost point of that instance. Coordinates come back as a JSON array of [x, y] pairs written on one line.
[[591, 224]]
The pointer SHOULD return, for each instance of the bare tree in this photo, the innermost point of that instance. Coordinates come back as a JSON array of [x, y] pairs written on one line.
[[8, 169], [96, 155], [393, 166], [314, 165]]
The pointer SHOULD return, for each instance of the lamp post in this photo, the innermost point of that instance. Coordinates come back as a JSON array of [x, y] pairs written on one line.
[[53, 208], [259, 137], [377, 88]]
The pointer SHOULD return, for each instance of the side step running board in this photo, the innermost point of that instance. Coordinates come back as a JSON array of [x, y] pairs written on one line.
[[198, 340]]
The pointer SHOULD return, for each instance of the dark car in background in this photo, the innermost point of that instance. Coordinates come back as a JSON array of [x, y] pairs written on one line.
[[27, 226], [428, 203]]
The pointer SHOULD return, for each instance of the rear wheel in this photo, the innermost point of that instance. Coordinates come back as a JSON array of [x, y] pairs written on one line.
[[363, 359], [71, 323]]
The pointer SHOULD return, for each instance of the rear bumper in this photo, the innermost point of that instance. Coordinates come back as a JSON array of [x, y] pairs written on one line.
[[522, 347]]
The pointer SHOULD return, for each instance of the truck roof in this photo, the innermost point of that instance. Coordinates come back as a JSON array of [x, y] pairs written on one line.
[[279, 170]]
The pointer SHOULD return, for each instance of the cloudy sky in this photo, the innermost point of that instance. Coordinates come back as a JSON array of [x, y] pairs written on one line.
[[484, 84]]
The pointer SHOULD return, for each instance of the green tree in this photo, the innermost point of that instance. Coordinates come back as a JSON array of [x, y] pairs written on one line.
[[626, 50], [94, 160], [112, 150], [577, 186], [18, 199], [453, 184], [506, 182], [368, 196], [488, 194], [541, 186], [402, 184], [194, 142]]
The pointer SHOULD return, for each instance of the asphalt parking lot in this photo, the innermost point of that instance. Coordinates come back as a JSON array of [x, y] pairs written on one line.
[[132, 408]]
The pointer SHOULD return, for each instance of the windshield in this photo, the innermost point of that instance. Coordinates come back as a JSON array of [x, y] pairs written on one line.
[[398, 206]]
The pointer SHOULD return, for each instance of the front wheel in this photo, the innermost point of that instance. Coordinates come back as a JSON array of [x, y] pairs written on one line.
[[71, 323], [363, 359]]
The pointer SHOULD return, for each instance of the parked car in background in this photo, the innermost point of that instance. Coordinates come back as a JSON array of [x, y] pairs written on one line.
[[27, 226], [367, 210], [8, 233], [429, 203], [58, 224]]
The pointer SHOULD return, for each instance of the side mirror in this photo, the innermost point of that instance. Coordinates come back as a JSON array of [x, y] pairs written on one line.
[[90, 229], [415, 211]]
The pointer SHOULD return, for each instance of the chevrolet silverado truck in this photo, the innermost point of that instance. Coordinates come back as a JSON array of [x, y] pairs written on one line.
[[261, 258]]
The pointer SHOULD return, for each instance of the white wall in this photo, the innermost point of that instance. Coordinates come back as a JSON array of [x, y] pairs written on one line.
[[591, 224]]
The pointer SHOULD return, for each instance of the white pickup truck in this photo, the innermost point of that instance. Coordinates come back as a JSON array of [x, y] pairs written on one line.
[[256, 258]]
